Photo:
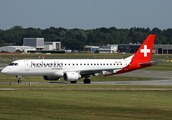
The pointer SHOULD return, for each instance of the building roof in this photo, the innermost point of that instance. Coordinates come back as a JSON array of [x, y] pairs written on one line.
[[88, 46], [19, 46]]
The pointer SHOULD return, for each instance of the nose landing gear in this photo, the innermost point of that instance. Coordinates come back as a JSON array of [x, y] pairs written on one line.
[[19, 79]]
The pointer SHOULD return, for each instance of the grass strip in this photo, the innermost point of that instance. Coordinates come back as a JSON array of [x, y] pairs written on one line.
[[85, 105]]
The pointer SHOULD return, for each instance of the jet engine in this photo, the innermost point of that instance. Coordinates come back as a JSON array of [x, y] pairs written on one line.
[[71, 76], [50, 78]]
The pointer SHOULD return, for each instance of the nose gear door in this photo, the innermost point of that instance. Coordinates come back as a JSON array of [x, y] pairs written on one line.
[[27, 65]]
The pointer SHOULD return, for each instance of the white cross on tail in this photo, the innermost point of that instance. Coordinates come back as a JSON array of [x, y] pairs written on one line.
[[145, 51]]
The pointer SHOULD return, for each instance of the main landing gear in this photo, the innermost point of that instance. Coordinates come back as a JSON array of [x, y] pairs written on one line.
[[87, 81], [19, 79]]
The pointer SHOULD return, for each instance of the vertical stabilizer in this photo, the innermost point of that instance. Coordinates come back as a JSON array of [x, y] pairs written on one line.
[[145, 51], [141, 58]]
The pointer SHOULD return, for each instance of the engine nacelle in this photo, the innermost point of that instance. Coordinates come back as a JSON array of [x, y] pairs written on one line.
[[71, 76], [50, 78]]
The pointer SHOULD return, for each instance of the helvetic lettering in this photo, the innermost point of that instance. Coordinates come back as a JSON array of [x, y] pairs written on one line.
[[50, 64], [54, 64], [42, 64], [45, 65]]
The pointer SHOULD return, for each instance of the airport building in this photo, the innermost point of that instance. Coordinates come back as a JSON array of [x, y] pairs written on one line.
[[16, 49], [128, 48], [157, 49], [38, 43], [91, 48], [108, 49], [163, 49], [52, 45], [132, 48]]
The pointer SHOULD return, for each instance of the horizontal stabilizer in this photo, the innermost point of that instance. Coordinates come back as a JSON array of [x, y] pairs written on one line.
[[152, 62], [148, 63]]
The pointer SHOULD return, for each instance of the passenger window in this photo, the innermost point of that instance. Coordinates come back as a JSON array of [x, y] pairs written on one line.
[[94, 64], [81, 64]]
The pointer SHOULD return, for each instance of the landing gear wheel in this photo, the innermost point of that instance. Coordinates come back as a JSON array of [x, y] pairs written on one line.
[[73, 81], [87, 81], [19, 81]]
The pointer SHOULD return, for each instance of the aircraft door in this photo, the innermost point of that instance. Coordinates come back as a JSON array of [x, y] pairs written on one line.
[[125, 64], [27, 65]]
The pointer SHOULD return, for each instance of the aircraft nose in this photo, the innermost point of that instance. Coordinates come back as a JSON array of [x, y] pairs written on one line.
[[4, 71]]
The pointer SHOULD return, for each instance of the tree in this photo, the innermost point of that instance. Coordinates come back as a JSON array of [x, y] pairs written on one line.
[[17, 28], [73, 44], [2, 43], [77, 38]]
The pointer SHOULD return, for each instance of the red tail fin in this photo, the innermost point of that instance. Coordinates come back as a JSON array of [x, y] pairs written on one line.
[[141, 58], [145, 51]]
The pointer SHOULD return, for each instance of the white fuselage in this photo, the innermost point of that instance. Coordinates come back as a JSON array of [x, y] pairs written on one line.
[[57, 67]]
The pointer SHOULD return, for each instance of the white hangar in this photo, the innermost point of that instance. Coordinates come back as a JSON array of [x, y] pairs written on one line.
[[16, 49]]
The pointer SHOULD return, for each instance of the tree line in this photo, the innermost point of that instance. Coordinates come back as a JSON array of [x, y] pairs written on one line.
[[76, 39]]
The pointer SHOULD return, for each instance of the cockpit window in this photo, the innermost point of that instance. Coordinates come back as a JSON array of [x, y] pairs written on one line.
[[13, 64]]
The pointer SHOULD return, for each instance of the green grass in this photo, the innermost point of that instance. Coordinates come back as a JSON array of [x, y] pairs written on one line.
[[160, 66], [85, 105], [84, 102], [11, 56], [86, 87]]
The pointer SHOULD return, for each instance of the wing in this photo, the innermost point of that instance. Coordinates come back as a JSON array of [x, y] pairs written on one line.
[[98, 71]]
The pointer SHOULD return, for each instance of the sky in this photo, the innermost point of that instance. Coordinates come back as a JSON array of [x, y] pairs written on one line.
[[86, 14]]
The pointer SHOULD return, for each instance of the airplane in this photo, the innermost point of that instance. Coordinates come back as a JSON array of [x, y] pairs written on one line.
[[74, 69]]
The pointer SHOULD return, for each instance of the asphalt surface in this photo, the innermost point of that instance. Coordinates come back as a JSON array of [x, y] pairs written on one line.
[[153, 82], [2, 65], [159, 75], [163, 78]]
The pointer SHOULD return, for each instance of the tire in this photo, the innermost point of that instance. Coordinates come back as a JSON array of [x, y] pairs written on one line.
[[87, 81], [19, 81], [73, 81]]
